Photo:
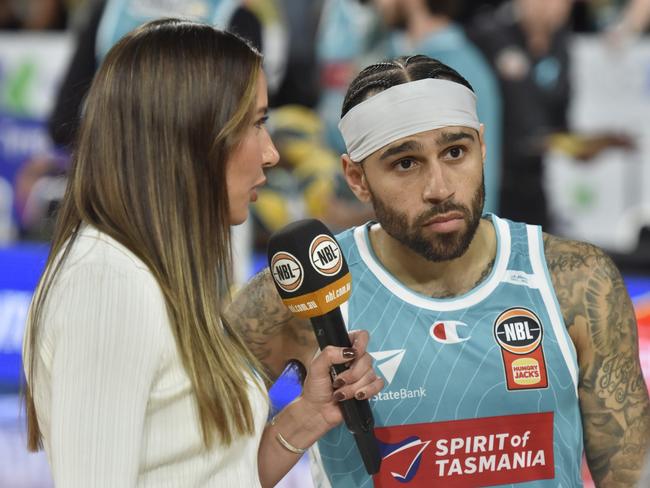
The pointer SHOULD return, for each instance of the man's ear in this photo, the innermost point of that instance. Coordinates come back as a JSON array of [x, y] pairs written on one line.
[[356, 178], [481, 136]]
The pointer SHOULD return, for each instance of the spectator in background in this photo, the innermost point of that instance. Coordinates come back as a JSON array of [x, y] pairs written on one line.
[[420, 27], [300, 84], [348, 30], [34, 14], [106, 21], [307, 182], [527, 43]]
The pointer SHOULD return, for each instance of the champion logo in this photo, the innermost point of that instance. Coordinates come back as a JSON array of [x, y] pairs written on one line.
[[402, 459], [446, 332], [388, 362]]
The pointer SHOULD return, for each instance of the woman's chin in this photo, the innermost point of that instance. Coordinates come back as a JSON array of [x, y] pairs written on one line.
[[239, 218]]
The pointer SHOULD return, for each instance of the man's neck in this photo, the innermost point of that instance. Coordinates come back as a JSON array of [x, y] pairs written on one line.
[[438, 279], [420, 23]]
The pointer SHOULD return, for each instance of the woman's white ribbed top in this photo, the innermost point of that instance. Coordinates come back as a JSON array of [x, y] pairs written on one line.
[[114, 403]]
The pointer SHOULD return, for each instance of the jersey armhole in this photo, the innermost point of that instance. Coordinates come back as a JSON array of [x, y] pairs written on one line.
[[540, 269]]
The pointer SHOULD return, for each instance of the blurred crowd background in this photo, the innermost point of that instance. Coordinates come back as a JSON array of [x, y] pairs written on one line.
[[563, 88]]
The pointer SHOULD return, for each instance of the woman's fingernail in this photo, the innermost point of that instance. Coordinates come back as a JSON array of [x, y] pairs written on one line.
[[338, 383], [360, 395], [349, 353], [339, 396]]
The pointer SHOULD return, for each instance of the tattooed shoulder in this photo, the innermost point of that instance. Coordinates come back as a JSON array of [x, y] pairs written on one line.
[[578, 268], [600, 318], [269, 329]]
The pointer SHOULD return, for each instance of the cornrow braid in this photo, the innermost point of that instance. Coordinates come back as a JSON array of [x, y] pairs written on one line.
[[386, 74]]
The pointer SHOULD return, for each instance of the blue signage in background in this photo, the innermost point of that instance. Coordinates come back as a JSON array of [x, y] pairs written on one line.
[[20, 268], [31, 66]]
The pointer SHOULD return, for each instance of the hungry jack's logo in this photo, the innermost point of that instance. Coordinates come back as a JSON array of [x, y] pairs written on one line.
[[519, 333]]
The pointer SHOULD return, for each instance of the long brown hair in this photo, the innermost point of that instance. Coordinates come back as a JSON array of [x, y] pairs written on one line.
[[166, 108]]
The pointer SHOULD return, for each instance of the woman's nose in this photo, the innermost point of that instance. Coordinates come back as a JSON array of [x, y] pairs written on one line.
[[270, 155]]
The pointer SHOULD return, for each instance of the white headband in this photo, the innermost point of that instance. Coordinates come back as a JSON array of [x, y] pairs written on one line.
[[404, 110]]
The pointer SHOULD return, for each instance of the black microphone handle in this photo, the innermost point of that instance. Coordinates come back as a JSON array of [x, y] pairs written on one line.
[[330, 331]]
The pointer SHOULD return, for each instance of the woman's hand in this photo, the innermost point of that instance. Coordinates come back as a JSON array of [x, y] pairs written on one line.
[[359, 381], [316, 410]]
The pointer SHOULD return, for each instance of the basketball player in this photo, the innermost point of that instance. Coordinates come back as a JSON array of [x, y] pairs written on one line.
[[505, 350]]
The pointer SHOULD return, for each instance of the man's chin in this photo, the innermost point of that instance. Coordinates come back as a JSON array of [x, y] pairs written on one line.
[[453, 248]]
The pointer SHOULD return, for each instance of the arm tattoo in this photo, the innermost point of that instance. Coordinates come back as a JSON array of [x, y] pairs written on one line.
[[613, 397], [271, 331]]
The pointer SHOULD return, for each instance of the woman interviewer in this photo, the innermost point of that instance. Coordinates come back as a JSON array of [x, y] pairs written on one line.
[[134, 378]]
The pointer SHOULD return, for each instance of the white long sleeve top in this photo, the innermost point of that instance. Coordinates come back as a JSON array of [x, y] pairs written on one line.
[[114, 403]]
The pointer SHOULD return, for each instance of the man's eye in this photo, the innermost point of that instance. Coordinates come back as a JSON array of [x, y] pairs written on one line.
[[404, 164], [456, 152]]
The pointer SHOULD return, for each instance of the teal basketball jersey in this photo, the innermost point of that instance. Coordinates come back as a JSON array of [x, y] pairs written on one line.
[[480, 389]]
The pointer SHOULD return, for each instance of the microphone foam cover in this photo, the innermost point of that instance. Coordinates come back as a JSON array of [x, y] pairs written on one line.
[[308, 268]]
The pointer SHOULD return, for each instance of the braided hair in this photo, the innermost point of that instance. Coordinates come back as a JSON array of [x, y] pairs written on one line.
[[381, 76]]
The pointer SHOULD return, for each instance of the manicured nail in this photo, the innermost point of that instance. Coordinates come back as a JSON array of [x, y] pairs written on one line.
[[349, 353], [339, 396], [360, 395], [338, 383]]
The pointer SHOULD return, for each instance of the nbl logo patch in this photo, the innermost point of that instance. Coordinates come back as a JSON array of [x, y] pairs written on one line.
[[519, 333], [287, 271], [325, 255]]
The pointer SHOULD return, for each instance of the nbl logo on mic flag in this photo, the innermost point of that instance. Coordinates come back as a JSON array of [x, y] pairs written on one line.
[[287, 271], [309, 269], [325, 255]]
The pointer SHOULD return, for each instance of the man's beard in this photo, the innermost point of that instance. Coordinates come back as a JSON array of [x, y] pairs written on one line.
[[441, 247]]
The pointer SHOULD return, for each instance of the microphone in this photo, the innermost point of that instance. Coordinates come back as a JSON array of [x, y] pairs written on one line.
[[313, 279]]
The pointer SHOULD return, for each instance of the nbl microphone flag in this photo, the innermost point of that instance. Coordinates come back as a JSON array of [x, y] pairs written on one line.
[[316, 289], [313, 280]]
